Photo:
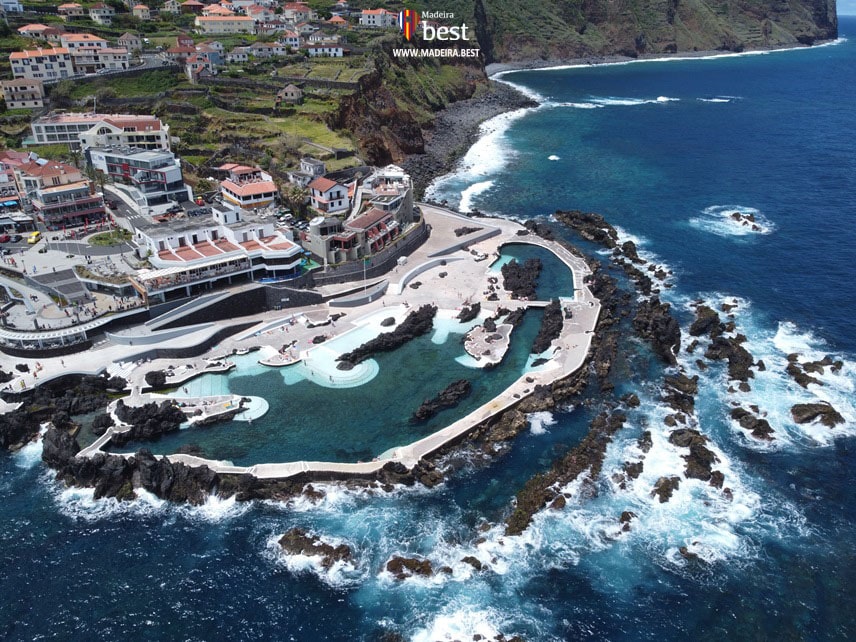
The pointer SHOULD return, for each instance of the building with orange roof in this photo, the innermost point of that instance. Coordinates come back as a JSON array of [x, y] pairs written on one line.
[[33, 30], [382, 18], [42, 64], [210, 245], [142, 12], [192, 6], [382, 211], [225, 24], [71, 10], [60, 194], [72, 41], [245, 186], [100, 130], [217, 10], [328, 196], [102, 14]]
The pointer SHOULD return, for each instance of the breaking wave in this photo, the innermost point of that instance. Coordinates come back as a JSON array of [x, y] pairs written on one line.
[[732, 221]]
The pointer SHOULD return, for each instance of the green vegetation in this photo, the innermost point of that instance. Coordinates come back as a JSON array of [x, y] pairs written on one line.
[[151, 82], [113, 237]]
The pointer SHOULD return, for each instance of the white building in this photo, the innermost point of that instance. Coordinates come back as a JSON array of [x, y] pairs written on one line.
[[142, 12], [23, 93], [150, 177], [42, 64], [130, 42], [90, 60], [380, 18], [121, 130], [325, 51], [328, 196], [71, 10], [225, 24], [102, 14], [73, 41], [217, 245], [247, 187]]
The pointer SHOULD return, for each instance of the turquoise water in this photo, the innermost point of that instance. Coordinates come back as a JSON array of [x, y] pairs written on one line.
[[311, 418], [556, 279], [781, 562]]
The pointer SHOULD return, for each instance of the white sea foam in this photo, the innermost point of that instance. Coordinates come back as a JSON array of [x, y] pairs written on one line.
[[772, 390], [80, 504], [462, 623], [488, 155], [539, 422], [31, 454], [716, 56], [467, 196], [215, 509], [612, 101], [339, 574], [718, 219]]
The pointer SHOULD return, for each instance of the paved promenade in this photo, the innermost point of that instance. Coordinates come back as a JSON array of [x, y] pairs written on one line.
[[446, 271], [462, 280]]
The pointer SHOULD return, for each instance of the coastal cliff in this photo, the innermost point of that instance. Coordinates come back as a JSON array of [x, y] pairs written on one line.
[[520, 31]]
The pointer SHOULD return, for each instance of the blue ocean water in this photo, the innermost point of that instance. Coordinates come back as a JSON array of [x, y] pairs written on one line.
[[771, 135]]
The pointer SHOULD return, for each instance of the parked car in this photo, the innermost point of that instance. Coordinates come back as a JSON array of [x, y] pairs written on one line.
[[16, 238], [4, 238], [35, 237]]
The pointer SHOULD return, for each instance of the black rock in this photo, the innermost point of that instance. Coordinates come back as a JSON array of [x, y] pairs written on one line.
[[416, 324], [450, 397], [654, 323], [521, 279], [804, 413], [298, 542], [469, 312], [551, 327], [707, 322]]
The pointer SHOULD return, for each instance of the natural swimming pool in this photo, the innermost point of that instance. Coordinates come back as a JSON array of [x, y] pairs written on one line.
[[320, 413]]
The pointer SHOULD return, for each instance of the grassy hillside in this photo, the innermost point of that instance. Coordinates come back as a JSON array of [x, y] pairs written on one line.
[[550, 29]]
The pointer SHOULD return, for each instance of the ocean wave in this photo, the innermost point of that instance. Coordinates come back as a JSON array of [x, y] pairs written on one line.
[[714, 56], [772, 391], [720, 220], [31, 455], [487, 157], [340, 574], [540, 421], [80, 504], [461, 623], [612, 101], [470, 193]]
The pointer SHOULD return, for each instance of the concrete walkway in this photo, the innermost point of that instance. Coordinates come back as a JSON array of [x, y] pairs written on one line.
[[465, 282]]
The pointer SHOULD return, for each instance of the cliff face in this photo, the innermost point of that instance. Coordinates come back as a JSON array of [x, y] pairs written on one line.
[[398, 100], [517, 30]]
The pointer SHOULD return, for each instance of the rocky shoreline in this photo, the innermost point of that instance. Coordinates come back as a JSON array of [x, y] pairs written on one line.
[[456, 128], [496, 68]]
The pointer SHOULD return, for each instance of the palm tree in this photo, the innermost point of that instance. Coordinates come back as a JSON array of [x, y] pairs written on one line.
[[294, 197]]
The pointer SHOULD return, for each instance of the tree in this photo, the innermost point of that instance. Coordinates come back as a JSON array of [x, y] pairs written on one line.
[[203, 185], [294, 197]]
